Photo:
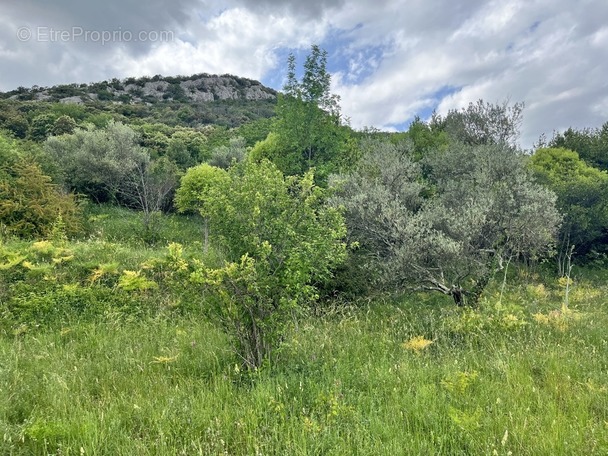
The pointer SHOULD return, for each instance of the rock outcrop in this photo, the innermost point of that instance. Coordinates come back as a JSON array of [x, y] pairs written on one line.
[[200, 88]]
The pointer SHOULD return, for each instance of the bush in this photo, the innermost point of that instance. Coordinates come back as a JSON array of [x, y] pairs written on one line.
[[30, 204]]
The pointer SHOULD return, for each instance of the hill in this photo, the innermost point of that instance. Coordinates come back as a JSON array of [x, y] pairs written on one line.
[[191, 101], [196, 88]]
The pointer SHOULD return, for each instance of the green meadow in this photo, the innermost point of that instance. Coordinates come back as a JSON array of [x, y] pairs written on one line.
[[105, 350]]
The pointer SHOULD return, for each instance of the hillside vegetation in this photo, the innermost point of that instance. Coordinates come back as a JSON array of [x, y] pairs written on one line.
[[270, 281]]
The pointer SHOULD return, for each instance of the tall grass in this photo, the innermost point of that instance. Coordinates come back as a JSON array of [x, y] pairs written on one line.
[[342, 383]]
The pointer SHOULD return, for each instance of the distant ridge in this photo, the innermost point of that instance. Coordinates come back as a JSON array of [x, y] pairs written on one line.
[[150, 90]]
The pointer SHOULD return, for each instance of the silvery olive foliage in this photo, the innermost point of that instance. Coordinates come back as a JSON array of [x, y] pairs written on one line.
[[446, 223]]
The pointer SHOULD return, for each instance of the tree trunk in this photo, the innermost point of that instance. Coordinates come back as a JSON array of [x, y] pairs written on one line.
[[205, 235], [458, 296]]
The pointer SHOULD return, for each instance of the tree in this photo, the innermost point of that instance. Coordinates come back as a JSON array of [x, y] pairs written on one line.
[[226, 156], [64, 125], [448, 232], [308, 130], [582, 195], [194, 192], [185, 147], [97, 162], [280, 241], [590, 144], [148, 188], [482, 123], [16, 123], [41, 127]]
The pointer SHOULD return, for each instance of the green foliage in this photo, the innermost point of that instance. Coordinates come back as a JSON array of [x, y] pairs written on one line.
[[423, 137], [124, 226], [41, 127], [590, 144], [582, 193], [482, 123], [134, 281], [195, 187], [281, 240], [226, 156], [30, 203], [97, 163], [15, 123], [64, 125], [308, 125], [255, 131], [186, 147], [448, 232]]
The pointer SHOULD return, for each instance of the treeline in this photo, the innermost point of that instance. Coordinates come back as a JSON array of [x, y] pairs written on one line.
[[303, 207], [37, 120]]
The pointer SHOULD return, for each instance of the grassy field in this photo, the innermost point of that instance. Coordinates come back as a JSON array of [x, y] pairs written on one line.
[[89, 365]]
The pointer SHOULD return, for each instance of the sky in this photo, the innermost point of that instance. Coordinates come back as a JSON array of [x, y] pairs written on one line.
[[390, 60]]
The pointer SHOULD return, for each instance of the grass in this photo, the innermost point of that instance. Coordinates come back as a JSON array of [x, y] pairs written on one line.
[[340, 385], [413, 375]]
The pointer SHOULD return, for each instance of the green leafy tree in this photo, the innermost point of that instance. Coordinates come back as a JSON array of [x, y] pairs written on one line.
[[448, 232], [15, 123], [185, 147], [281, 240], [424, 138], [582, 195], [308, 125], [64, 125], [41, 127], [590, 144], [194, 192]]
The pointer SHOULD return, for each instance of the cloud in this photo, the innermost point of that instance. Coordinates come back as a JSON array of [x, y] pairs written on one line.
[[391, 59], [552, 57]]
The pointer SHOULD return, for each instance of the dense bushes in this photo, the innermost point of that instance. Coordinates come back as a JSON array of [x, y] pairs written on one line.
[[30, 204]]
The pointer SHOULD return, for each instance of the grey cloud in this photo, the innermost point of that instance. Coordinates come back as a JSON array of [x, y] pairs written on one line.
[[105, 15], [306, 8]]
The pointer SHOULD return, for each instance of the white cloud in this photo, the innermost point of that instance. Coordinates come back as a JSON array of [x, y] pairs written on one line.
[[395, 57]]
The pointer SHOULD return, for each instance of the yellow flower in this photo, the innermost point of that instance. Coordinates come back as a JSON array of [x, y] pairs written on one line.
[[164, 359], [417, 344]]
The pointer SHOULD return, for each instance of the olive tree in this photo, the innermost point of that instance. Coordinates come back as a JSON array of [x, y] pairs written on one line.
[[482, 123], [97, 162], [448, 231]]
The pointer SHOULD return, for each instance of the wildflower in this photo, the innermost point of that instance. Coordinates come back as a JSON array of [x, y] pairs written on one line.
[[164, 359], [417, 344]]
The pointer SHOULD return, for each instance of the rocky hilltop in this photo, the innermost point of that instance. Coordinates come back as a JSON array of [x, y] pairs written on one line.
[[197, 88]]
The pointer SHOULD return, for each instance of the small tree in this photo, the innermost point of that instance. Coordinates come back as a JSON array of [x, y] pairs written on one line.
[[149, 188], [281, 240], [30, 203], [194, 192], [307, 131]]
